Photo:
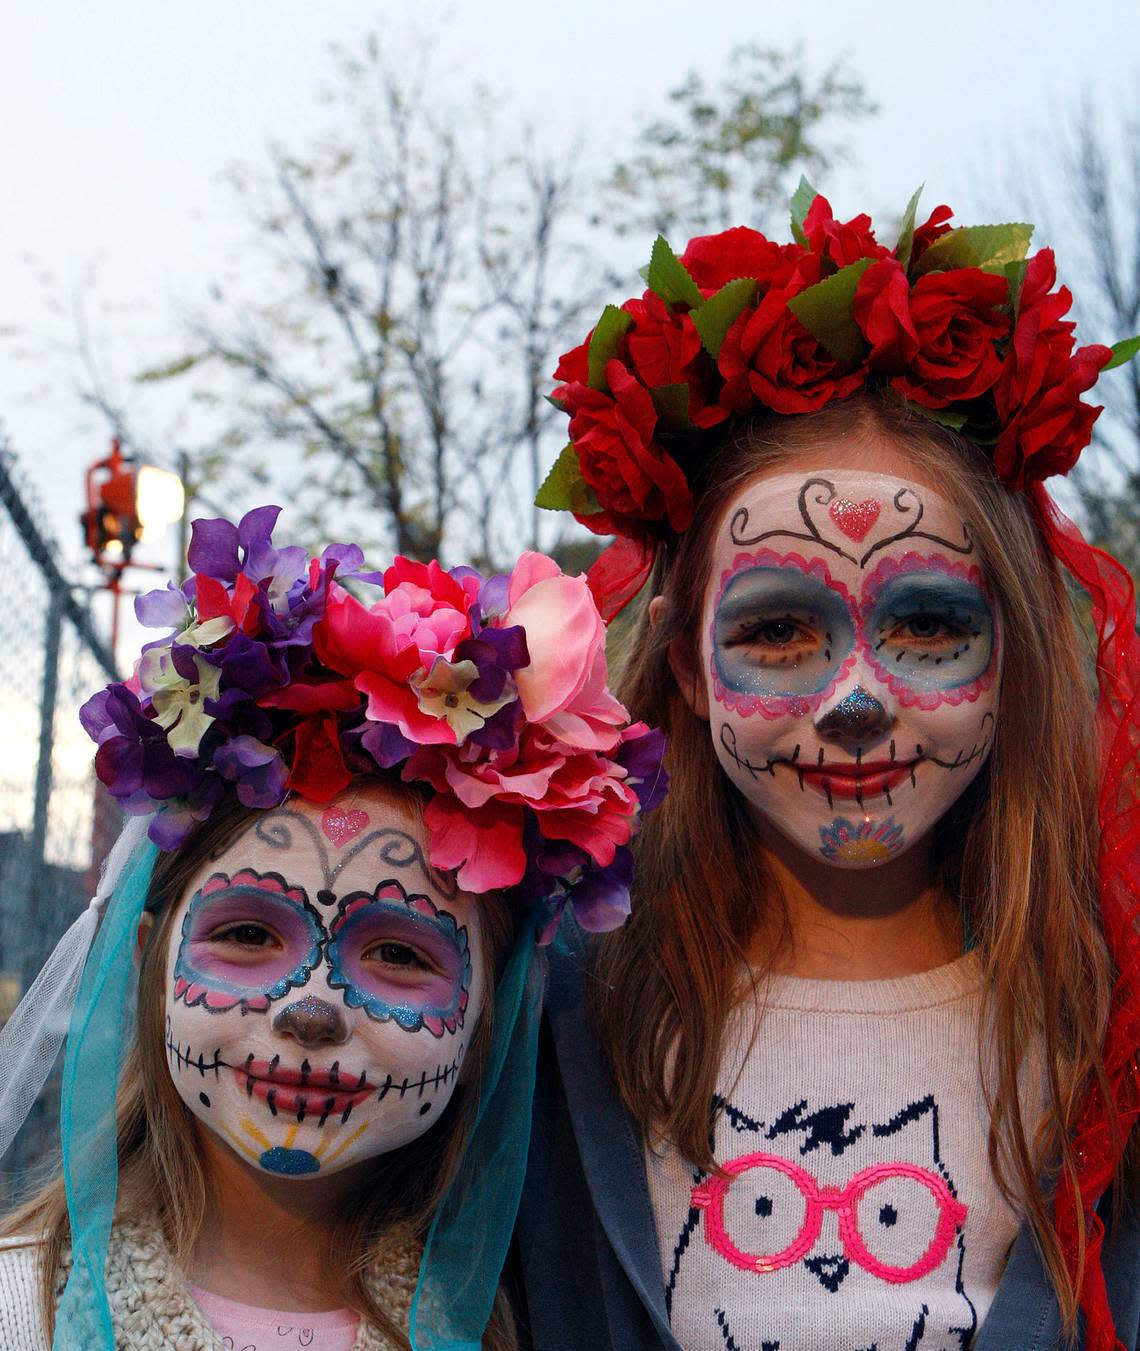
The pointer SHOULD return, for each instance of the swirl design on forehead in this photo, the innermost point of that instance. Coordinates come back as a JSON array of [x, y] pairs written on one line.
[[905, 502], [397, 849]]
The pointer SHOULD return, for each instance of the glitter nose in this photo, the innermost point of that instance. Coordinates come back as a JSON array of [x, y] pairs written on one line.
[[312, 1022], [857, 716]]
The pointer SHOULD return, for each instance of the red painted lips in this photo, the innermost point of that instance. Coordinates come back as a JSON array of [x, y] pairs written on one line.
[[305, 1090], [868, 779]]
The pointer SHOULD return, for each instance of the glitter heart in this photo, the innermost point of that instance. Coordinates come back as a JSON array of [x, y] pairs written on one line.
[[341, 826], [854, 518]]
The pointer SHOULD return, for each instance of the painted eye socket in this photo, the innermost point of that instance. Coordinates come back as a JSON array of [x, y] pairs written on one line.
[[779, 630], [930, 629], [399, 957], [245, 940]]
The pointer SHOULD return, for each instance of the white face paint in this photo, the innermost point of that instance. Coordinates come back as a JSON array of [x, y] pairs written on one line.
[[852, 658], [323, 982]]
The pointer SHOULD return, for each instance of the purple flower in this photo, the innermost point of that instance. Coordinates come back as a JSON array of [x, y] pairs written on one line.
[[496, 652], [386, 744], [258, 770], [165, 609], [641, 757], [215, 544], [600, 901]]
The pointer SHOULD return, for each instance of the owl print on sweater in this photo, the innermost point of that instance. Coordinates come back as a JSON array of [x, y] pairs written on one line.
[[833, 1228]]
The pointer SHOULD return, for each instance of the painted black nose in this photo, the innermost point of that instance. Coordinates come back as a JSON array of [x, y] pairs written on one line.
[[829, 1269], [313, 1022], [857, 717]]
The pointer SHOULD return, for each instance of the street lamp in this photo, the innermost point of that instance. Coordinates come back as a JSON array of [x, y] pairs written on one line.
[[126, 502]]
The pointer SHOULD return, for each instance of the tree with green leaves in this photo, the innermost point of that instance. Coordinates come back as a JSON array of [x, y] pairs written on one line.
[[726, 152]]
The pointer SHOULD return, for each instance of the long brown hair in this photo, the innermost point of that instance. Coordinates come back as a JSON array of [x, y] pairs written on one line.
[[159, 1177], [1018, 851]]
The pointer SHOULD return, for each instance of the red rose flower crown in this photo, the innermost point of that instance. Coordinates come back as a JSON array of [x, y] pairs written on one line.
[[491, 691], [966, 327]]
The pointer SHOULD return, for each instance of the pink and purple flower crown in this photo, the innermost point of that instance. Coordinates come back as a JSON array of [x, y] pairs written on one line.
[[491, 691]]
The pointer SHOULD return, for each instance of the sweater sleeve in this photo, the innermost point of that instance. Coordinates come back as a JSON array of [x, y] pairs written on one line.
[[21, 1323]]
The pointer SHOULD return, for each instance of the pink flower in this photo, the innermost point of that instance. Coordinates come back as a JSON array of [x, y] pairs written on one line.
[[575, 795], [564, 687]]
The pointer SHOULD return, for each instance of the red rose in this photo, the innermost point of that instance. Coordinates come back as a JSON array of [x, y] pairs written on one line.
[[957, 321], [841, 243], [770, 359], [630, 474], [934, 227], [1045, 424], [665, 349], [574, 366], [882, 311], [713, 260]]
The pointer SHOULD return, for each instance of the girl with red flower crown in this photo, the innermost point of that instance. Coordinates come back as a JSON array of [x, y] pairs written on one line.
[[353, 821], [865, 1066]]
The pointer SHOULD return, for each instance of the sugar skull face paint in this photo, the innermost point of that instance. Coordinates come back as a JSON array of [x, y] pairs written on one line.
[[322, 987], [852, 656]]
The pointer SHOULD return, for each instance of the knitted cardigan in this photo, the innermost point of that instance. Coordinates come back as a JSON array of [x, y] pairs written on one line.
[[151, 1306]]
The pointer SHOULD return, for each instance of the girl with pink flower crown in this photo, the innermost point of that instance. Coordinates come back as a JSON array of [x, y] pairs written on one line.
[[302, 1010], [864, 1062]]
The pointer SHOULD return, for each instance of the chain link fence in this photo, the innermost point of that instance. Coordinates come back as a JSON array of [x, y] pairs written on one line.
[[56, 825]]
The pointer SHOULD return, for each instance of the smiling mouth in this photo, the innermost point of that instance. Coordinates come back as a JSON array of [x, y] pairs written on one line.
[[856, 781], [303, 1091]]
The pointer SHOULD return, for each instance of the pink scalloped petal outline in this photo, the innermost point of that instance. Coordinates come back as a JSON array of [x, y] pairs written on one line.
[[217, 1001], [772, 706]]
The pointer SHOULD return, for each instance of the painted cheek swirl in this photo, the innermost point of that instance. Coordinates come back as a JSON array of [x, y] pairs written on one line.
[[782, 636], [246, 940], [927, 630], [399, 957]]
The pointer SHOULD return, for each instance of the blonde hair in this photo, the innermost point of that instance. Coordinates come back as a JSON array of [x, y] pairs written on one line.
[[1018, 851], [160, 1177]]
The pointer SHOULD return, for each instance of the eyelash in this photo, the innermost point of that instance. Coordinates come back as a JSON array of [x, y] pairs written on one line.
[[376, 949], [950, 631], [756, 633], [229, 933]]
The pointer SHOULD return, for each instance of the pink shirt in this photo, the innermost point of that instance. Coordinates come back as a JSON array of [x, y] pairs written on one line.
[[243, 1327]]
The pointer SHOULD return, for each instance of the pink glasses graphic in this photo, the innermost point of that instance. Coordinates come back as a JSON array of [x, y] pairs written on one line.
[[710, 1197]]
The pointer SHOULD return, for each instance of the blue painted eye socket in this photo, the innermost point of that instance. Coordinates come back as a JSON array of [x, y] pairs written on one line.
[[399, 957], [780, 631], [931, 629]]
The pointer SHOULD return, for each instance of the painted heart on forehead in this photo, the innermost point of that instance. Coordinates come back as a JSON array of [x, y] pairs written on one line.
[[854, 518], [341, 824]]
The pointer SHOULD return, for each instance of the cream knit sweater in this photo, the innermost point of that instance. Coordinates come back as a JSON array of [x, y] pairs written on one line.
[[859, 1209], [151, 1308]]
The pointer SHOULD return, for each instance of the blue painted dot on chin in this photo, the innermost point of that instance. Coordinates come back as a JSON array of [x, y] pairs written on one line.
[[291, 1162]]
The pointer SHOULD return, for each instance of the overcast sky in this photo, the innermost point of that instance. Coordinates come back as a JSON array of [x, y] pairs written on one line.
[[117, 117]]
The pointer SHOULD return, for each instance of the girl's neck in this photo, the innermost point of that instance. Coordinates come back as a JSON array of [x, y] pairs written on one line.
[[856, 924], [264, 1239]]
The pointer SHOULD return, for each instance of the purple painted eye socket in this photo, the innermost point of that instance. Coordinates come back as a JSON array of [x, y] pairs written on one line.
[[397, 956], [246, 941]]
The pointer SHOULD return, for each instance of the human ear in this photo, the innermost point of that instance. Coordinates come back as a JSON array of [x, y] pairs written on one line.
[[689, 680], [146, 923]]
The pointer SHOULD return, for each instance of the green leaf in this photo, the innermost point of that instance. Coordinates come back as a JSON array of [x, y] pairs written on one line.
[[716, 315], [604, 344], [1122, 352], [827, 310], [943, 415], [802, 199], [672, 404], [668, 278], [564, 488], [906, 230], [989, 247], [172, 368], [1015, 276]]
